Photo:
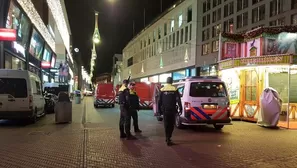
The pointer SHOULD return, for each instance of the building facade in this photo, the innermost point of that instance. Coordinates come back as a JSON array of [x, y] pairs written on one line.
[[184, 41], [117, 69], [43, 39]]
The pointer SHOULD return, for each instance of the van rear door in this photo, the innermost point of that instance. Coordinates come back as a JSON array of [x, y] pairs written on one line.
[[209, 100], [14, 94]]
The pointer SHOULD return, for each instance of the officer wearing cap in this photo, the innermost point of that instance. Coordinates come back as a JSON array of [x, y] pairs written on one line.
[[125, 118], [169, 98], [134, 106]]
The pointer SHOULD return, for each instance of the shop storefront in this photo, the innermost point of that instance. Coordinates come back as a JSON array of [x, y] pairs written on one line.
[[15, 54], [258, 61]]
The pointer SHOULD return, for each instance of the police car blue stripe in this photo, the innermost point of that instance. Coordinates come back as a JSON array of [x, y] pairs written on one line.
[[195, 115], [202, 112]]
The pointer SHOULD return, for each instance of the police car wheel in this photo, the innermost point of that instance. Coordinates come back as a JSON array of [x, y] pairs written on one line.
[[218, 127], [178, 122]]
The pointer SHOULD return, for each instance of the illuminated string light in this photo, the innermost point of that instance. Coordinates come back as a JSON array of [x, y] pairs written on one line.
[[30, 10], [57, 11]]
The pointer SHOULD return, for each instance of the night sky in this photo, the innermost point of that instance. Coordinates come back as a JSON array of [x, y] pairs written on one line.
[[115, 26]]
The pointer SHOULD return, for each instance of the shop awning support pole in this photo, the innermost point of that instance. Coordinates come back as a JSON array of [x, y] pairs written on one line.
[[288, 108]]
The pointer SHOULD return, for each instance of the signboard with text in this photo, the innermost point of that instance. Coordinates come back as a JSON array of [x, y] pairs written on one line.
[[7, 34]]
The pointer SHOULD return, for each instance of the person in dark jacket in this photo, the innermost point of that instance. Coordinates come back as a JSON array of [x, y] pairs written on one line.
[[169, 97], [134, 106], [125, 117]]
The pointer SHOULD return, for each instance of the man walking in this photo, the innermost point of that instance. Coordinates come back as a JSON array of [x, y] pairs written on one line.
[[134, 106], [169, 97], [125, 118]]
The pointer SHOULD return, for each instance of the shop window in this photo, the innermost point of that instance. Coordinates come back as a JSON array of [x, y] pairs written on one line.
[[205, 49], [294, 19], [19, 21], [251, 80]]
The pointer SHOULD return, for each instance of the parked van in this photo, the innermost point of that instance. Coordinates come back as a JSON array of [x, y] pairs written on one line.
[[205, 101], [145, 92], [20, 95], [104, 95]]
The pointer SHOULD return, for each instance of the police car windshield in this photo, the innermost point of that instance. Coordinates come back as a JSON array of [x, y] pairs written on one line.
[[207, 89]]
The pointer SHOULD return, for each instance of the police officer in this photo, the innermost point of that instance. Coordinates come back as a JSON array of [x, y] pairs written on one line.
[[169, 97], [125, 118], [134, 106]]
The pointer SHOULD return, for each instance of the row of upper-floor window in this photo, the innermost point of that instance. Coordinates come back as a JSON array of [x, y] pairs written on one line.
[[258, 13], [171, 41], [208, 48]]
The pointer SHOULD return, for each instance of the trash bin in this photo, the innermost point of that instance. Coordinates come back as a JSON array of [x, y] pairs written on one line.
[[270, 108], [77, 97], [63, 108]]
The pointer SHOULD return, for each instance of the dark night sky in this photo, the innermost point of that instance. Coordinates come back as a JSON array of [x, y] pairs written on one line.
[[115, 26]]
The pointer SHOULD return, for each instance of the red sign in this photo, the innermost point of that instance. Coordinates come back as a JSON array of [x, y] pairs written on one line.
[[45, 64], [7, 35]]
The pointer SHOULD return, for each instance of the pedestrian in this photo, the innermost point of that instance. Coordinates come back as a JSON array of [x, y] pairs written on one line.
[[134, 106], [125, 118], [169, 97]]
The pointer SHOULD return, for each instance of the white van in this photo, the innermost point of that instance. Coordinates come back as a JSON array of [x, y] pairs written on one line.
[[20, 95], [205, 101]]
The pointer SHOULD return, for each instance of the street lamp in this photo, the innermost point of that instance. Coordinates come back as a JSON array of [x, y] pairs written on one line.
[[96, 35]]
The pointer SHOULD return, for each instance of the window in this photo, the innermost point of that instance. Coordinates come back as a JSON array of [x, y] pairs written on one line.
[[242, 20], [182, 36], [170, 44], [258, 14], [159, 32], [256, 1], [186, 34], [216, 3], [180, 20], [229, 9], [242, 4], [165, 29], [278, 22], [154, 36], [189, 18], [173, 40], [294, 19], [190, 37], [276, 7], [205, 49], [205, 34], [215, 46], [207, 89], [204, 21], [216, 15], [15, 87], [181, 90], [177, 38], [208, 19], [294, 4], [228, 25], [216, 30], [38, 88], [206, 6], [130, 62], [172, 25]]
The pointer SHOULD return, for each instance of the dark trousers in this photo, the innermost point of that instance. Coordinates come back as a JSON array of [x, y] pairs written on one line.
[[169, 120], [125, 121], [134, 115]]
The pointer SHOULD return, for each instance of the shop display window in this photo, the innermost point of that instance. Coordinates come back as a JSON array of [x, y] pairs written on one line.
[[36, 45], [12, 62], [16, 19]]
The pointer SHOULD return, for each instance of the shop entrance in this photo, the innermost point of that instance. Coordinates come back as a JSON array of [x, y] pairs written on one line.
[[250, 86]]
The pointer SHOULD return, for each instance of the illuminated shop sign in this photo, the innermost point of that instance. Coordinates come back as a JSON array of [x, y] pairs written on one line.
[[264, 60]]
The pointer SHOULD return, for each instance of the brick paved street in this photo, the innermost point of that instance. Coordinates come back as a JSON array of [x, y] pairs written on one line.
[[92, 140]]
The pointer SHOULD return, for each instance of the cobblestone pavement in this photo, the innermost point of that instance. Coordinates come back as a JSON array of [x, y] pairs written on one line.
[[92, 140]]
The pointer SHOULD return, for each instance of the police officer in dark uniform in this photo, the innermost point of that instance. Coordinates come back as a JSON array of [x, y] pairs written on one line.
[[125, 118], [134, 106], [169, 98]]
